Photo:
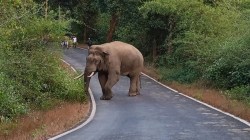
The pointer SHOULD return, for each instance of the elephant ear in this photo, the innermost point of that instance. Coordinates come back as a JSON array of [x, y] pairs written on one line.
[[104, 61], [102, 51]]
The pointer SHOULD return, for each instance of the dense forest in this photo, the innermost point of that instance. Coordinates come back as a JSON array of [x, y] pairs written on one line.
[[188, 41]]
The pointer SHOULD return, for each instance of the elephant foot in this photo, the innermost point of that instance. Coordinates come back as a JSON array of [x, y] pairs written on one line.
[[132, 93], [106, 97]]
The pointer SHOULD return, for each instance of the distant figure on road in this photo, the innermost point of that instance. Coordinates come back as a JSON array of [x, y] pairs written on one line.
[[65, 42], [74, 41], [89, 42]]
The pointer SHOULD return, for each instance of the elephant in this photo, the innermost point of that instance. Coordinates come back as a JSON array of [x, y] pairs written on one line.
[[110, 60]]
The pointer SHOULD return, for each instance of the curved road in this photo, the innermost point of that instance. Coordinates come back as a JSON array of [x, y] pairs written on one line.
[[157, 114]]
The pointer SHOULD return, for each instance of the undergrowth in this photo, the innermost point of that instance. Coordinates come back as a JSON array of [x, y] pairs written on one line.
[[31, 73]]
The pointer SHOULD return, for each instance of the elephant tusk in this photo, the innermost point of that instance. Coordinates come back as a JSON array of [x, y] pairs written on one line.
[[91, 74], [79, 76]]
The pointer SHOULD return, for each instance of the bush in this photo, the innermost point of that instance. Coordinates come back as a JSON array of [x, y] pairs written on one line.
[[241, 93], [31, 74], [231, 66], [67, 87], [190, 35], [180, 74], [11, 104]]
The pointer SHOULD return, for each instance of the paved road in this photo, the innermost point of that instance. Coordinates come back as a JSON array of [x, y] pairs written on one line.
[[157, 114]]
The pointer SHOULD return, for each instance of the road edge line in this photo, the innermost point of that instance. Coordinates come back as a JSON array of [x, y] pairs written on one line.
[[203, 103], [90, 118]]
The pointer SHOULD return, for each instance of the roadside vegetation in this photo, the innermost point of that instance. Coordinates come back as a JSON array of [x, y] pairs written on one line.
[[202, 42], [32, 76]]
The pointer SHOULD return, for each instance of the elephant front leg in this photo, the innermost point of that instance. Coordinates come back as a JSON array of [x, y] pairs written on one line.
[[112, 80], [133, 90], [102, 80]]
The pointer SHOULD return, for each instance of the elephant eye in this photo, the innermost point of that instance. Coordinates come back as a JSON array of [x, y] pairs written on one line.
[[96, 61]]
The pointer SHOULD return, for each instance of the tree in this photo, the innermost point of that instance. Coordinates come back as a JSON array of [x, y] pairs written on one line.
[[117, 10], [162, 22], [83, 13], [114, 9]]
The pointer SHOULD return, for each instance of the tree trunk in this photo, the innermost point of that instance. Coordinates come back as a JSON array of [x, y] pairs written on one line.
[[169, 40], [154, 50], [46, 9], [85, 34], [112, 26], [169, 44]]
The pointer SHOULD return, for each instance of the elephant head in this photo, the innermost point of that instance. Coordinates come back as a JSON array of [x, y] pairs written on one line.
[[95, 61]]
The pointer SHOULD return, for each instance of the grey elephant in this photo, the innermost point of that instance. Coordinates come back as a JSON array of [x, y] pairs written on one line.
[[110, 60]]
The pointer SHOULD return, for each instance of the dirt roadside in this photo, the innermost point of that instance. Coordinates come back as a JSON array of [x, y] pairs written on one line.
[[41, 125], [210, 96]]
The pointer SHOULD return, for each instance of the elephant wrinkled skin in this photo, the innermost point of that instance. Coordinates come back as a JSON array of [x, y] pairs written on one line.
[[110, 60]]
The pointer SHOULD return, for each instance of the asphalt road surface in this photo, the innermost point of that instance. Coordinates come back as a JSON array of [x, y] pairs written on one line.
[[157, 114]]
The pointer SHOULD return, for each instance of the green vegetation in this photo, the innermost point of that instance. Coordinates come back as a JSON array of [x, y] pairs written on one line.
[[31, 72], [204, 43]]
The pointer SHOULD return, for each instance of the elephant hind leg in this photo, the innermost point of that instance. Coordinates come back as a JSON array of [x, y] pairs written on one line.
[[138, 85], [134, 86]]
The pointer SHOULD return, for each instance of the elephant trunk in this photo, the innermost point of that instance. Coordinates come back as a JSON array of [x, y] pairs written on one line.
[[86, 81]]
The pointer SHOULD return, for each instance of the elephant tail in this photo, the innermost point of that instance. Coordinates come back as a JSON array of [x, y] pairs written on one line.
[[140, 79]]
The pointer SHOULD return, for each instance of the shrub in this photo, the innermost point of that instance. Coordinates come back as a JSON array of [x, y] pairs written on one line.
[[31, 74], [241, 93], [231, 65], [180, 74], [190, 35], [11, 104]]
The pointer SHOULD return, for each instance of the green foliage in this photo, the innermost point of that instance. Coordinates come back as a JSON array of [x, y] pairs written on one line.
[[231, 65], [132, 27], [102, 26], [241, 93], [85, 13], [179, 74], [10, 104], [192, 28], [67, 87], [31, 73], [192, 37]]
